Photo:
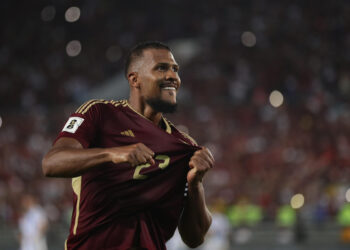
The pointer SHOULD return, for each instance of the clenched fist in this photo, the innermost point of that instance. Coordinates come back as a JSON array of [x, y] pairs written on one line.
[[201, 161], [135, 154]]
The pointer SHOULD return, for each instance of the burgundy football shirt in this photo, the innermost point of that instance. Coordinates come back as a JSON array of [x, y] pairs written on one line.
[[117, 206]]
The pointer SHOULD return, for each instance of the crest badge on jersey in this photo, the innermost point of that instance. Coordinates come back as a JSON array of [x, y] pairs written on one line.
[[73, 124]]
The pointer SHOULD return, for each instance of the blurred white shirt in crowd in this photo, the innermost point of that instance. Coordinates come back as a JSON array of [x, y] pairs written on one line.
[[217, 238], [218, 235], [32, 228]]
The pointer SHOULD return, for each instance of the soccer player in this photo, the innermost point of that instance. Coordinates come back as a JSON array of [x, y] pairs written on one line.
[[135, 176]]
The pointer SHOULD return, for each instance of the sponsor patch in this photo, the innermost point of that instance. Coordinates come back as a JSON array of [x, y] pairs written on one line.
[[73, 124]]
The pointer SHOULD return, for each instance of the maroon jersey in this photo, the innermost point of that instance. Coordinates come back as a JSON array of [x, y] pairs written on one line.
[[117, 206]]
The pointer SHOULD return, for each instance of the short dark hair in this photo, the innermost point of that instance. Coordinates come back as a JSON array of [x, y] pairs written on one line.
[[137, 52]]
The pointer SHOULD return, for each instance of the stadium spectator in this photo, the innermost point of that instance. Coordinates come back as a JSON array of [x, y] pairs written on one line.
[[344, 220], [33, 225], [219, 233], [243, 216], [286, 219]]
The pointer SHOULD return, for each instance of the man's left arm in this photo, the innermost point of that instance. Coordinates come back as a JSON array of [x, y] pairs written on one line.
[[195, 219]]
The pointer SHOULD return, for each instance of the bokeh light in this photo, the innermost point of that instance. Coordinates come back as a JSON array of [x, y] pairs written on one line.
[[297, 201], [73, 48], [276, 98], [248, 39], [72, 14], [114, 53], [48, 13], [347, 195]]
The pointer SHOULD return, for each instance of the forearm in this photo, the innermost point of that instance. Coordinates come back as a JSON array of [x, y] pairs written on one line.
[[68, 158], [196, 218], [71, 162]]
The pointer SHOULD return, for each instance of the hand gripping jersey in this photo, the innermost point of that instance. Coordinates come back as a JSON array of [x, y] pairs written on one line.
[[117, 206]]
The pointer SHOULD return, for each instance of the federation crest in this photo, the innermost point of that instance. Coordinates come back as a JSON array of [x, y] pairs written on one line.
[[72, 124]]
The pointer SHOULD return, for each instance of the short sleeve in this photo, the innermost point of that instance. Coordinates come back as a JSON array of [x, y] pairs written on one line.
[[83, 124]]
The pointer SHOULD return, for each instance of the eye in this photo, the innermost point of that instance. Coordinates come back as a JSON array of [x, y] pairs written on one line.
[[176, 69], [162, 67]]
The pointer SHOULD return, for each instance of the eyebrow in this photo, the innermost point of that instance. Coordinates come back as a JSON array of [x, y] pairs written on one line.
[[168, 64]]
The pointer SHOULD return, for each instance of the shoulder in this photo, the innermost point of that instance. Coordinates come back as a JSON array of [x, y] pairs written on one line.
[[181, 132], [189, 137], [98, 103]]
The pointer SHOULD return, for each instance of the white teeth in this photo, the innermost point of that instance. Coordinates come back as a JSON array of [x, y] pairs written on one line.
[[169, 88]]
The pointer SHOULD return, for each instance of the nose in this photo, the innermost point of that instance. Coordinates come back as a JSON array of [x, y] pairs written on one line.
[[172, 77]]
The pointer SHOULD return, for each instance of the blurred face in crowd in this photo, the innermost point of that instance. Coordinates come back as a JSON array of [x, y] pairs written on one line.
[[27, 202], [157, 74]]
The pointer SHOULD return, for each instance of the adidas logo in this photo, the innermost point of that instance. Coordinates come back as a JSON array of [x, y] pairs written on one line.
[[128, 133]]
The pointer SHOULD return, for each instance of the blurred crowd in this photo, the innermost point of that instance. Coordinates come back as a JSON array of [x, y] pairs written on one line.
[[264, 154]]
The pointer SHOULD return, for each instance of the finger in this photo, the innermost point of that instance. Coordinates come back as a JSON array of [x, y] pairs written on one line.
[[207, 152], [133, 160], [145, 154], [198, 171], [148, 157], [149, 154], [200, 164], [151, 160], [203, 165], [205, 157], [191, 164], [146, 149], [141, 158], [210, 154]]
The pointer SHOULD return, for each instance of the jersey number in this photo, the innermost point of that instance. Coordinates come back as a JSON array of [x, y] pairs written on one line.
[[162, 165]]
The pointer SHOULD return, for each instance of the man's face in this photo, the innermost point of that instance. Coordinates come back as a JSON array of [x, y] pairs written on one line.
[[159, 79]]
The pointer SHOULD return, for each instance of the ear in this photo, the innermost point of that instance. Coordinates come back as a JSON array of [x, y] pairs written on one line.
[[134, 80]]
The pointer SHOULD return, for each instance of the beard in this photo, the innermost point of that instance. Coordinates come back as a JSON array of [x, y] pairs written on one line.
[[162, 106]]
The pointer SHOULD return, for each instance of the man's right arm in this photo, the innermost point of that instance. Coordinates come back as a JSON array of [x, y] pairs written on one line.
[[68, 158]]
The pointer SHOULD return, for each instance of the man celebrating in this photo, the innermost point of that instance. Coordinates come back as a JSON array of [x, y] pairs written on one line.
[[135, 176]]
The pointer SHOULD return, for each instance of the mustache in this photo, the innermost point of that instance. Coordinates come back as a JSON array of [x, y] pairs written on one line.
[[164, 83]]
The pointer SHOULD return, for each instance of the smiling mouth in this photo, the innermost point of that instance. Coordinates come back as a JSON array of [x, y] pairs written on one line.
[[168, 88]]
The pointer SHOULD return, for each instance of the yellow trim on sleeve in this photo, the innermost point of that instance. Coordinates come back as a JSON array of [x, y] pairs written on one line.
[[87, 105], [76, 184], [84, 105]]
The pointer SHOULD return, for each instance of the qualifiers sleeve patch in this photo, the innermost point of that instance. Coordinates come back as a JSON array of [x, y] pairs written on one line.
[[73, 124]]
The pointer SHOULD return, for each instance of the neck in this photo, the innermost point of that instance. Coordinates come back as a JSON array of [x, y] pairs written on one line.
[[144, 109]]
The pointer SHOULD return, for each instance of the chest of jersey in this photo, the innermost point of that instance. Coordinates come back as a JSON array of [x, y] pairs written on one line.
[[137, 187]]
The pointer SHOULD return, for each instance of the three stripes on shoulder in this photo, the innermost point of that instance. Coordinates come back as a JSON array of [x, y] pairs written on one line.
[[87, 105]]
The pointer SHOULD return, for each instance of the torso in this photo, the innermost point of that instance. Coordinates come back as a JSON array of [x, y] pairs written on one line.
[[142, 204]]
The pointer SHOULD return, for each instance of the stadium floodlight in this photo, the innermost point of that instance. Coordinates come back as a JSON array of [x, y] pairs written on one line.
[[72, 14], [347, 194], [297, 201], [248, 39], [276, 98], [73, 48], [48, 13]]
